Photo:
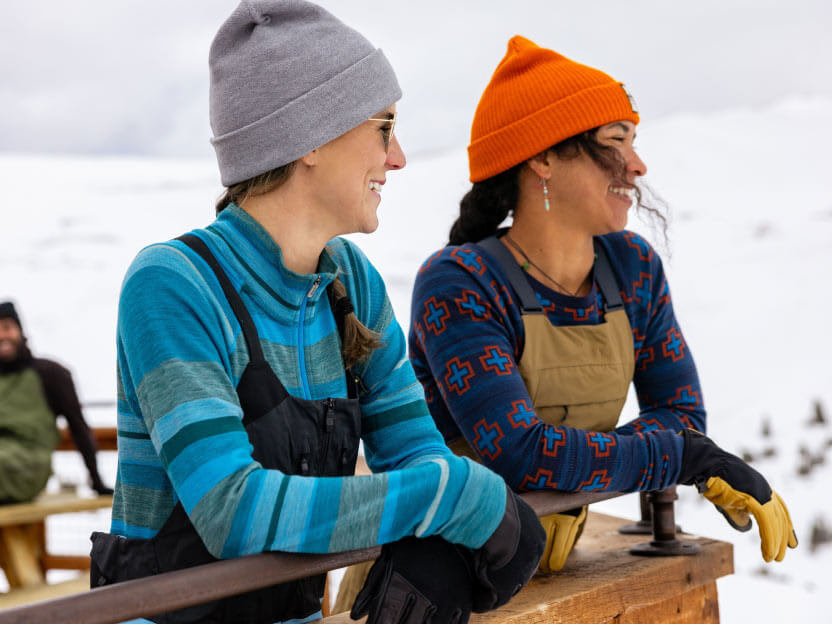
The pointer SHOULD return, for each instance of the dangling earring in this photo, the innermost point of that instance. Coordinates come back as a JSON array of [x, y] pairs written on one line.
[[545, 194]]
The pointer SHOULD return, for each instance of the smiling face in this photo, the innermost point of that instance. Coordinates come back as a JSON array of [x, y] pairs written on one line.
[[11, 339], [351, 171], [588, 196]]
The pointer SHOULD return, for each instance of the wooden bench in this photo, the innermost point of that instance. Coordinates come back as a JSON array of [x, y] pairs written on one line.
[[24, 555], [603, 583]]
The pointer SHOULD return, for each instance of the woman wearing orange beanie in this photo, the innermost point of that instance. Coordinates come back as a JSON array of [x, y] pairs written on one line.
[[526, 339]]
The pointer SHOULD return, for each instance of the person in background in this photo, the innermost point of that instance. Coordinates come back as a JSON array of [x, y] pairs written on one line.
[[526, 338], [255, 353], [33, 393]]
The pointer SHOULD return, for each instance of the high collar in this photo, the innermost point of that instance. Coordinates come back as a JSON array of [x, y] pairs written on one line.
[[246, 244]]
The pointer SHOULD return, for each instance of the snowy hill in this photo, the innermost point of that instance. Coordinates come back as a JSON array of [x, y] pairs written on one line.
[[749, 265]]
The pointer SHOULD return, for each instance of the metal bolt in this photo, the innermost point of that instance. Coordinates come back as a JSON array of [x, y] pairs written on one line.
[[664, 542]]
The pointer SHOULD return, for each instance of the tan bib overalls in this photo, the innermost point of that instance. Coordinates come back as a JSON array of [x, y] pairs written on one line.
[[577, 376]]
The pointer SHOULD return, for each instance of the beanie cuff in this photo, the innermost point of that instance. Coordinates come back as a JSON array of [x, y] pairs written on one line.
[[308, 122], [564, 118]]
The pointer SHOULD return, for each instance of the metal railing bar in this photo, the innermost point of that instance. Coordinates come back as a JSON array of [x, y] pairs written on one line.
[[95, 403], [183, 588]]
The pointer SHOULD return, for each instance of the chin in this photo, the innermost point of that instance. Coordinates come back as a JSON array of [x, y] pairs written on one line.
[[618, 221], [371, 229], [368, 227], [370, 223]]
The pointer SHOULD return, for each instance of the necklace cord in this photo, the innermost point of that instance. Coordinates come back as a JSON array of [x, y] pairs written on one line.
[[528, 262]]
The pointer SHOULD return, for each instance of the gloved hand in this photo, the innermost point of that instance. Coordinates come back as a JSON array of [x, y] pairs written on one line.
[[562, 531], [417, 581], [101, 489], [737, 490], [509, 558]]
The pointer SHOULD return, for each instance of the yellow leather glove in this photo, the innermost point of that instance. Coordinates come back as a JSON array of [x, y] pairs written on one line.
[[773, 519], [562, 531], [739, 492]]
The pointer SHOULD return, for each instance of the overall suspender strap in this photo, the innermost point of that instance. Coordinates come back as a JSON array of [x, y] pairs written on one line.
[[252, 338], [516, 277], [255, 350], [529, 304], [605, 278]]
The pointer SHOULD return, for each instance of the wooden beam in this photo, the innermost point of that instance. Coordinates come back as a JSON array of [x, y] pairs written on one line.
[[49, 504], [20, 551], [65, 562], [105, 439], [35, 593]]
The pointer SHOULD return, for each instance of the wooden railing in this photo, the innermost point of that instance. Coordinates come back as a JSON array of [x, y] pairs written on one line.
[[175, 590], [182, 588]]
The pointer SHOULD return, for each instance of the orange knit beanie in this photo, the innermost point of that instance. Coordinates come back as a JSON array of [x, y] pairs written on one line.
[[537, 98]]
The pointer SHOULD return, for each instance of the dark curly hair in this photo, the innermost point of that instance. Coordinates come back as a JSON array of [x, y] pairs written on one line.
[[490, 201]]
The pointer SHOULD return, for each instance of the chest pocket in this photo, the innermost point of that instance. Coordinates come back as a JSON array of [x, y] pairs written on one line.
[[308, 438], [577, 376]]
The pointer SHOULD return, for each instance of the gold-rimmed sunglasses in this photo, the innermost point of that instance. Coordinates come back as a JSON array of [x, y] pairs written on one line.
[[387, 131]]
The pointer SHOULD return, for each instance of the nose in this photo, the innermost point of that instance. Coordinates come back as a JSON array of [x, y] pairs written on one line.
[[635, 165], [395, 155]]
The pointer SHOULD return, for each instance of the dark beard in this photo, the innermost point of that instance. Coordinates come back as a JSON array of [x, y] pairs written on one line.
[[22, 360]]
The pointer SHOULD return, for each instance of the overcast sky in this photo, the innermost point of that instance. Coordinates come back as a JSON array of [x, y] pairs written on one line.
[[130, 77]]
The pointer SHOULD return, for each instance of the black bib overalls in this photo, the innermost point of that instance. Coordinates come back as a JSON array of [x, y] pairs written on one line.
[[294, 436]]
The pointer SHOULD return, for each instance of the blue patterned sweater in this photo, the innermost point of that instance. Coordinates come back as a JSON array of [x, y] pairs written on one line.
[[181, 353], [463, 316]]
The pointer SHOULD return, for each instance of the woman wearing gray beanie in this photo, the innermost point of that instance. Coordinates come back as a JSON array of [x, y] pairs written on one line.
[[254, 355]]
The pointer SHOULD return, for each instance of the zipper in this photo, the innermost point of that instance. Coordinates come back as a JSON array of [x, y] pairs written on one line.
[[329, 424], [304, 459], [304, 380]]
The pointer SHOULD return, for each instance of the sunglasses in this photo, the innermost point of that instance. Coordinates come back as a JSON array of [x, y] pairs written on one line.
[[387, 130]]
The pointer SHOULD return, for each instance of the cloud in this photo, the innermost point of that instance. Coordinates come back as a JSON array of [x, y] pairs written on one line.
[[95, 76]]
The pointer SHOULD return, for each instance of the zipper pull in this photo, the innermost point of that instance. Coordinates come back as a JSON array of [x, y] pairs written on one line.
[[304, 460], [330, 414], [314, 288]]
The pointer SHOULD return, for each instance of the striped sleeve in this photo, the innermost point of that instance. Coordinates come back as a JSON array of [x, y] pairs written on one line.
[[397, 429], [665, 376]]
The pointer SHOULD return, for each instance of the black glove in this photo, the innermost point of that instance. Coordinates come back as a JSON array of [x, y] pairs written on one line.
[[417, 581], [509, 558], [101, 489], [737, 490]]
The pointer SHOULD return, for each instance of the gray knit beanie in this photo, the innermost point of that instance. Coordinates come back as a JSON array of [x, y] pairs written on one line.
[[287, 77]]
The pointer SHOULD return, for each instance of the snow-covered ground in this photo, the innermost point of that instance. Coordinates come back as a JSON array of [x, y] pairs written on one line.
[[749, 260]]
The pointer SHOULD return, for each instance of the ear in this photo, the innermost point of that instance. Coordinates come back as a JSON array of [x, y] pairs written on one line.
[[310, 159], [539, 164]]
